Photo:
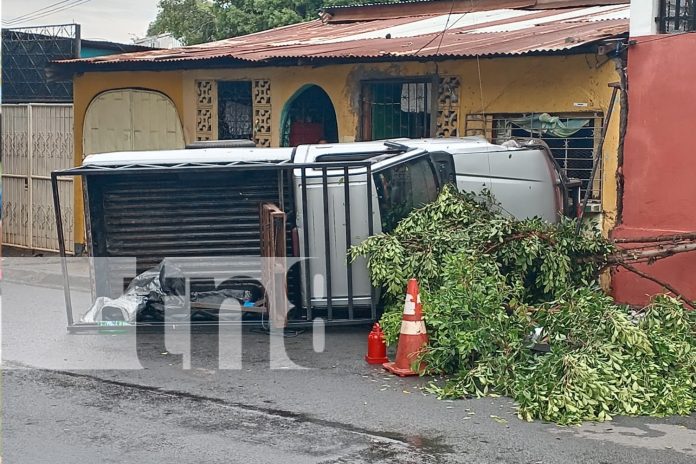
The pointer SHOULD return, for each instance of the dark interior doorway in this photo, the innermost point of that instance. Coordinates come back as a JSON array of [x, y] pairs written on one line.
[[309, 117]]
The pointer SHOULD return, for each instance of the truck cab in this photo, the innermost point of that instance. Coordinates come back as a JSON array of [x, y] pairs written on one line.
[[406, 174]]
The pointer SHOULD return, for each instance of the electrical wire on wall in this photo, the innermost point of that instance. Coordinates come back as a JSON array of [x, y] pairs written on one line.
[[441, 36]]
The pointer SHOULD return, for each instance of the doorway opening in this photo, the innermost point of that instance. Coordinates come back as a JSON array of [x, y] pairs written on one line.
[[308, 117]]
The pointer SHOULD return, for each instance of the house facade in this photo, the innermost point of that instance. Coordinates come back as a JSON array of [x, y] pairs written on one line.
[[494, 68], [657, 187]]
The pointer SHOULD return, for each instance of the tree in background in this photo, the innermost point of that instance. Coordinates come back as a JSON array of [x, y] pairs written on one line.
[[190, 21], [198, 21]]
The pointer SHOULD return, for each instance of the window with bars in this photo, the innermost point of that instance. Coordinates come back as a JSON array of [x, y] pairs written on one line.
[[397, 108], [235, 110], [571, 137], [677, 16]]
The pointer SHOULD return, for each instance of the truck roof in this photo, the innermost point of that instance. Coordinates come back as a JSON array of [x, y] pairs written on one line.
[[204, 155], [303, 153]]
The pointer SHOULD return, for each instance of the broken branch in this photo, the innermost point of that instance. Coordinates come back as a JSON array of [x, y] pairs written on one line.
[[658, 238], [664, 285]]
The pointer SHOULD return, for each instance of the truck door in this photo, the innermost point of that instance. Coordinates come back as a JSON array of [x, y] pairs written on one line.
[[409, 181]]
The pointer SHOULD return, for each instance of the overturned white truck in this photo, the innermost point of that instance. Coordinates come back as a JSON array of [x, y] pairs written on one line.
[[221, 209]]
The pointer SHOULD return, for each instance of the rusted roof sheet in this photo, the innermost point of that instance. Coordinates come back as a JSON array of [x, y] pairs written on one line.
[[501, 31]]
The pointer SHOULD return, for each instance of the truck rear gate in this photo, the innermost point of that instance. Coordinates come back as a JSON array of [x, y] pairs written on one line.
[[211, 210]]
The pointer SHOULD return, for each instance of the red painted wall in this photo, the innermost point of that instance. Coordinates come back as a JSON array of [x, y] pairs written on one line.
[[659, 164]]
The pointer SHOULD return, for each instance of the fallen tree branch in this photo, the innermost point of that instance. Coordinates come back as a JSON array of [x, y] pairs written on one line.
[[532, 233], [640, 254], [649, 254], [658, 238], [664, 285]]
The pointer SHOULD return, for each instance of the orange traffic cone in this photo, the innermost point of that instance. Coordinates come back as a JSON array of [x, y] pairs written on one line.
[[413, 336]]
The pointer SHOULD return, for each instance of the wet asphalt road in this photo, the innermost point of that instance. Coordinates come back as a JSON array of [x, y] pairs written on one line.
[[54, 417], [150, 410]]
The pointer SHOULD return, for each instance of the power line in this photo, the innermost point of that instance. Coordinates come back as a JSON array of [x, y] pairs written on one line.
[[42, 14], [21, 17], [38, 15], [442, 36]]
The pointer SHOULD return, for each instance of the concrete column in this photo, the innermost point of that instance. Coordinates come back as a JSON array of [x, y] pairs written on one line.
[[643, 14]]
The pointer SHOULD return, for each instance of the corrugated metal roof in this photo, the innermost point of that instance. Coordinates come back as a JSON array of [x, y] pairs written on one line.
[[477, 33]]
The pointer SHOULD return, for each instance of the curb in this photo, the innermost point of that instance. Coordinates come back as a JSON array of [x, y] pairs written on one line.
[[44, 279]]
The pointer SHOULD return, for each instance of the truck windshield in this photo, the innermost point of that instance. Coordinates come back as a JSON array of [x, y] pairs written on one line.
[[403, 187]]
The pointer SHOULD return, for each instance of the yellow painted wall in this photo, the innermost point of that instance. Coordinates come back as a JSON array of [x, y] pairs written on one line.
[[552, 84], [87, 86]]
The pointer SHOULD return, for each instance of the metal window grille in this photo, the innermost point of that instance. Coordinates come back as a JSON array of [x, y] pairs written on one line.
[[677, 16], [235, 110], [574, 153], [400, 108]]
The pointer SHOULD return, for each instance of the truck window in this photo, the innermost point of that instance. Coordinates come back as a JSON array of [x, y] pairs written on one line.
[[403, 187]]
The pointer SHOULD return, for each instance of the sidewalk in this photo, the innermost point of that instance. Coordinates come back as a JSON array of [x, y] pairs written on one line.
[[43, 269]]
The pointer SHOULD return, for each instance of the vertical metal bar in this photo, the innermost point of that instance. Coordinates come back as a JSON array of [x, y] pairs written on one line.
[[93, 261], [409, 122], [30, 176], [427, 101], [434, 95], [61, 247], [305, 239], [598, 160], [370, 232], [677, 12], [384, 105], [662, 17], [408, 108], [281, 197], [349, 264], [327, 241]]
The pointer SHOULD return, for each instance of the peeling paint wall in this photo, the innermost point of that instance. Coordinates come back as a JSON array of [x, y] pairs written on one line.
[[551, 84]]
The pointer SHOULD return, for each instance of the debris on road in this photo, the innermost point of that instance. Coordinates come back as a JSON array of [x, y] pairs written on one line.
[[490, 281]]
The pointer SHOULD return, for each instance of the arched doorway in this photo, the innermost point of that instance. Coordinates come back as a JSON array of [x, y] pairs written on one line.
[[308, 117], [131, 119]]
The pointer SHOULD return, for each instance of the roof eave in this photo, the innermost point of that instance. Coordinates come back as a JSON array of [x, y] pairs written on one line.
[[65, 70]]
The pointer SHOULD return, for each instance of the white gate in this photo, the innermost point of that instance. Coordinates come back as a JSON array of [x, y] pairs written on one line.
[[36, 139]]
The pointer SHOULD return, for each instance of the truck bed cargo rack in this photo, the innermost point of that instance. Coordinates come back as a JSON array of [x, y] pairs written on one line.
[[98, 179]]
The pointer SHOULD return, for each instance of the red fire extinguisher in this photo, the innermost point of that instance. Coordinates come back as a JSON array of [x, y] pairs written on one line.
[[376, 346]]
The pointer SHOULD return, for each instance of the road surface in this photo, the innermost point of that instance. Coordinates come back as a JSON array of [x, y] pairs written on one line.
[[113, 398]]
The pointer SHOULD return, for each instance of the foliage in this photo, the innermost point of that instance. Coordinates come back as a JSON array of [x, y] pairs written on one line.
[[198, 21], [495, 290], [539, 258], [190, 21]]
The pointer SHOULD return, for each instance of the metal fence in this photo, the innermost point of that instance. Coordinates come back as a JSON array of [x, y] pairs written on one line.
[[26, 52], [677, 16], [36, 140]]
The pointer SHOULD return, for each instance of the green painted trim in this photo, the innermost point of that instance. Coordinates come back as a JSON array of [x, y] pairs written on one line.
[[285, 120]]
